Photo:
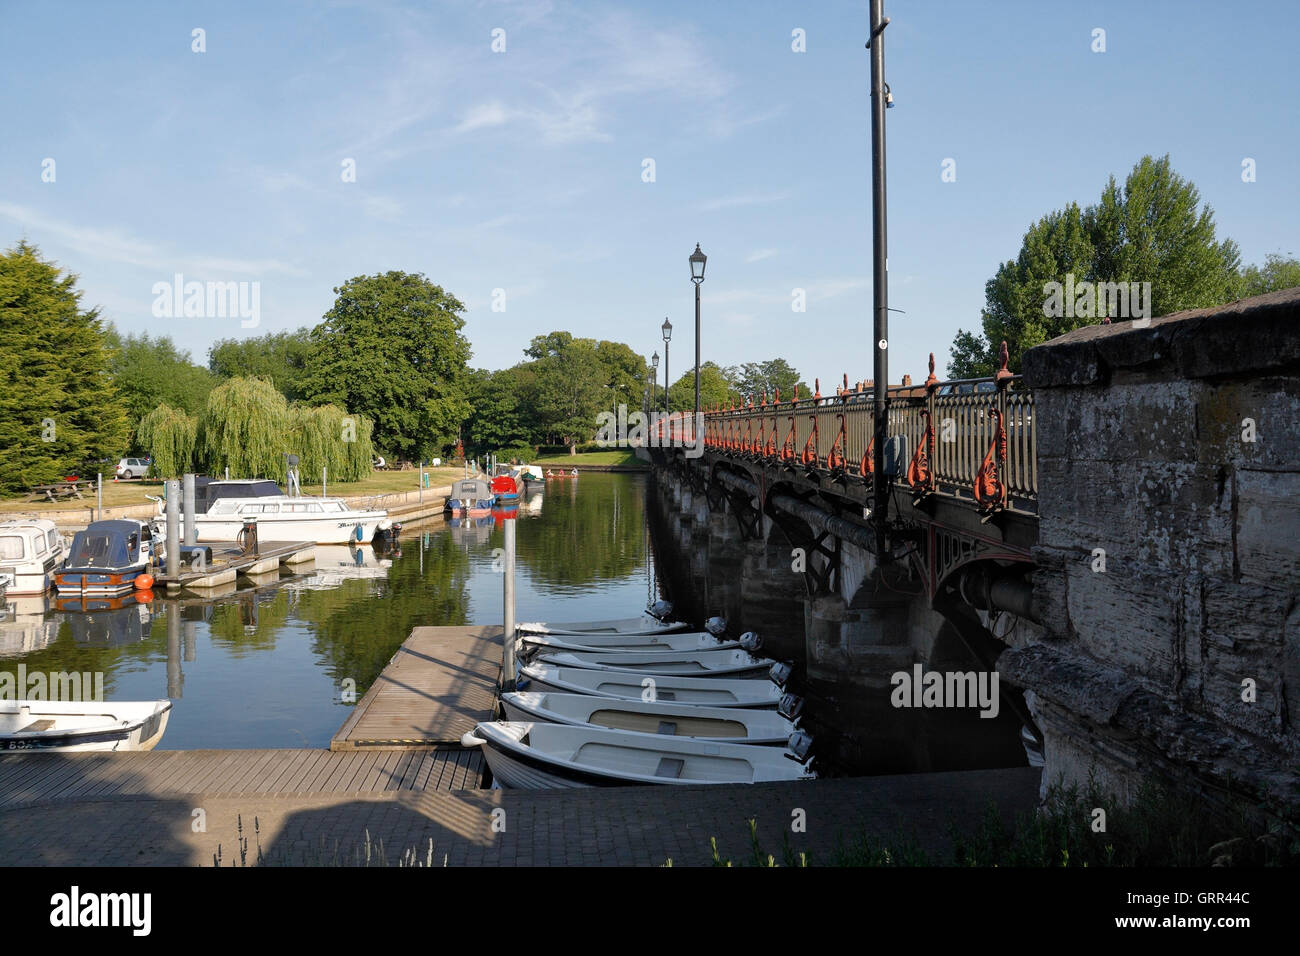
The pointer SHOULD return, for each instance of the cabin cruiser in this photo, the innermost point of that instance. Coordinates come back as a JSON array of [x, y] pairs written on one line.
[[30, 552], [222, 507], [106, 558]]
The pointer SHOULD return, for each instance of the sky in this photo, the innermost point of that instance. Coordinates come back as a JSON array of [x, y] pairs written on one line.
[[517, 177]]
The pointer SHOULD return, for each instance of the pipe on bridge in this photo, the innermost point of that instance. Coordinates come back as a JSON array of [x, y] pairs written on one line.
[[817, 518]]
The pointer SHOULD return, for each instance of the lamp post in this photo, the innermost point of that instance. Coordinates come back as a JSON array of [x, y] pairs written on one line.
[[667, 329], [654, 370], [697, 260]]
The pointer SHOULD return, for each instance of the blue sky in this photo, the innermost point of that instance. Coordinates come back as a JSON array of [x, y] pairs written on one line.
[[522, 170]]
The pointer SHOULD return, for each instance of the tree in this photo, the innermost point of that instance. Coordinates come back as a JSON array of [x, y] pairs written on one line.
[[170, 435], [715, 389], [278, 356], [1277, 272], [59, 410], [569, 386], [149, 372], [1154, 230], [498, 417], [243, 428], [391, 348], [754, 379]]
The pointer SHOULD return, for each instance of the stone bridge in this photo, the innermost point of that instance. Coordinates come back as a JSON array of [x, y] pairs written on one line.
[[1115, 534]]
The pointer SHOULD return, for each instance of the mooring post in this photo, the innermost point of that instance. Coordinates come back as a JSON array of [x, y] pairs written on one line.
[[421, 498], [175, 677], [508, 626], [187, 514], [99, 496], [172, 491], [324, 480]]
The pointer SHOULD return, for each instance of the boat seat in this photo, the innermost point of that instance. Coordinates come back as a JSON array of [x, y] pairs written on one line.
[[36, 726], [670, 767]]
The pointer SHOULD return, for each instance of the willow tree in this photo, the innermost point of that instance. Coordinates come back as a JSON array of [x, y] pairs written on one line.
[[169, 435], [326, 436], [244, 427]]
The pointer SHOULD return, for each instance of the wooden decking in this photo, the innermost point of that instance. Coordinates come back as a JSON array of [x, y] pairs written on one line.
[[27, 779], [439, 684], [228, 562]]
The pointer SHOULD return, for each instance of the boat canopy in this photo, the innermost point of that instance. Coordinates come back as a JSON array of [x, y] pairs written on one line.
[[207, 491], [107, 544]]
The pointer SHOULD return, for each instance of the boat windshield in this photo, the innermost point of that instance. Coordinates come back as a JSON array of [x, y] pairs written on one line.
[[98, 550], [11, 547]]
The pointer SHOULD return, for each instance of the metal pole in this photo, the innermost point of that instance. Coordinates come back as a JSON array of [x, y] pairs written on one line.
[[175, 677], [172, 489], [99, 496], [191, 531], [667, 380], [324, 480], [697, 360], [880, 270], [421, 499], [508, 626]]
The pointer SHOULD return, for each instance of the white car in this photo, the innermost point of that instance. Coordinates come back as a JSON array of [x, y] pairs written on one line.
[[132, 467]]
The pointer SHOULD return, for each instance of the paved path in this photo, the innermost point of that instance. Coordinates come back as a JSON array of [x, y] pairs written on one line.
[[622, 826]]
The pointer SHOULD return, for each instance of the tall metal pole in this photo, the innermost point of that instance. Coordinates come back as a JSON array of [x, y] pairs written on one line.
[[173, 493], [880, 270], [667, 379], [697, 360], [508, 615], [191, 535]]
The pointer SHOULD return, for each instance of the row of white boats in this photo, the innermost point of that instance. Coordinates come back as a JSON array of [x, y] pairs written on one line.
[[643, 701]]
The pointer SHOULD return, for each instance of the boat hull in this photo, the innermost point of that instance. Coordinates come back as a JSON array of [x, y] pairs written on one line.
[[627, 685], [98, 583], [735, 725], [139, 732], [315, 529]]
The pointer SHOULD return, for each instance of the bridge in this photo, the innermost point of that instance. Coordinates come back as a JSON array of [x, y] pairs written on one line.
[[1109, 532]]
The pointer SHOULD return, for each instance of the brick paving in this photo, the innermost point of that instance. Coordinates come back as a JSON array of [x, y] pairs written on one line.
[[618, 826]]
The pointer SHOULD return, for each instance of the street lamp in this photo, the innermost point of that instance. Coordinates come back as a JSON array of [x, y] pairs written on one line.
[[654, 369], [667, 329], [697, 276]]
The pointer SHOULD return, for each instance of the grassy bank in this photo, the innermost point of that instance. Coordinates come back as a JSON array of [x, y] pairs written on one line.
[[613, 456]]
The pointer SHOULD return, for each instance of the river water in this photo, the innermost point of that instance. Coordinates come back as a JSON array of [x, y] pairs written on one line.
[[269, 664]]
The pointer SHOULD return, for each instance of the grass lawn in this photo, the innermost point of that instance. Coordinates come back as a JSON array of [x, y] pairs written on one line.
[[614, 456], [121, 494]]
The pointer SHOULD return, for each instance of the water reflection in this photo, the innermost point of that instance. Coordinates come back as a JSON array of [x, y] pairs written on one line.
[[261, 663]]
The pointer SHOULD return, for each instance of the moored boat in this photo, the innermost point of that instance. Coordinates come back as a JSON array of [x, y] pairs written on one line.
[[287, 518], [671, 641], [540, 756], [31, 550], [715, 662], [56, 725], [631, 685], [106, 558], [729, 724], [645, 624]]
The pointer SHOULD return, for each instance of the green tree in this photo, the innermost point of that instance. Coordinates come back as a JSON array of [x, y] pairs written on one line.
[[1277, 272], [1152, 230], [715, 389], [499, 415], [278, 356], [170, 435], [149, 372], [391, 348], [59, 410], [754, 379], [569, 386], [244, 427]]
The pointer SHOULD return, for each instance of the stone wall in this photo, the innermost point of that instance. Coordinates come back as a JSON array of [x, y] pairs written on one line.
[[1169, 552]]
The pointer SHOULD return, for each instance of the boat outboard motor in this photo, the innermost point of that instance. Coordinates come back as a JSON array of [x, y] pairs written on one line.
[[751, 642], [799, 746], [780, 673], [716, 626], [660, 610], [791, 706]]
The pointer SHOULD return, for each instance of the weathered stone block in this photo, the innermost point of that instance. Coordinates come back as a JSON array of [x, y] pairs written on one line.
[[1268, 527]]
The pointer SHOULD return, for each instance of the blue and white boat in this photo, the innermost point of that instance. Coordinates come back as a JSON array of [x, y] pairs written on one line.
[[106, 558]]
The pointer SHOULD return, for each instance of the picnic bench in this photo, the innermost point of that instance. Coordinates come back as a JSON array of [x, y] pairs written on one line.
[[61, 490]]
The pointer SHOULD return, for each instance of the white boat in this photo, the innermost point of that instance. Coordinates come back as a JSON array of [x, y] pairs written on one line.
[[31, 550], [541, 756], [673, 641], [645, 624], [727, 724], [631, 685], [279, 517], [46, 725], [718, 662]]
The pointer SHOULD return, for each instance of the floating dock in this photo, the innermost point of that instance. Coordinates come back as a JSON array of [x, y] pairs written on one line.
[[440, 683], [228, 562]]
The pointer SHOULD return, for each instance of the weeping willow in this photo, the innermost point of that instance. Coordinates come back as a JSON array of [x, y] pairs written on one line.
[[328, 437], [169, 435], [244, 427]]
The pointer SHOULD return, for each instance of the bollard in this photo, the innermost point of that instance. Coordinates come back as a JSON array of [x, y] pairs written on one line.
[[324, 481], [508, 682], [99, 497], [173, 493], [187, 511]]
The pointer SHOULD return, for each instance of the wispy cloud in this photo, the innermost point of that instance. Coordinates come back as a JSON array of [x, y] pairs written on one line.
[[758, 255], [753, 199]]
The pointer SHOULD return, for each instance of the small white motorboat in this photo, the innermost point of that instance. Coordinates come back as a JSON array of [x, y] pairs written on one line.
[[645, 624], [735, 725], [674, 641], [718, 662], [631, 685], [59, 725], [542, 756], [31, 550]]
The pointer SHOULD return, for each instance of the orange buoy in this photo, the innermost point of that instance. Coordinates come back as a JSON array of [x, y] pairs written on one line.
[[144, 582], [143, 597]]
